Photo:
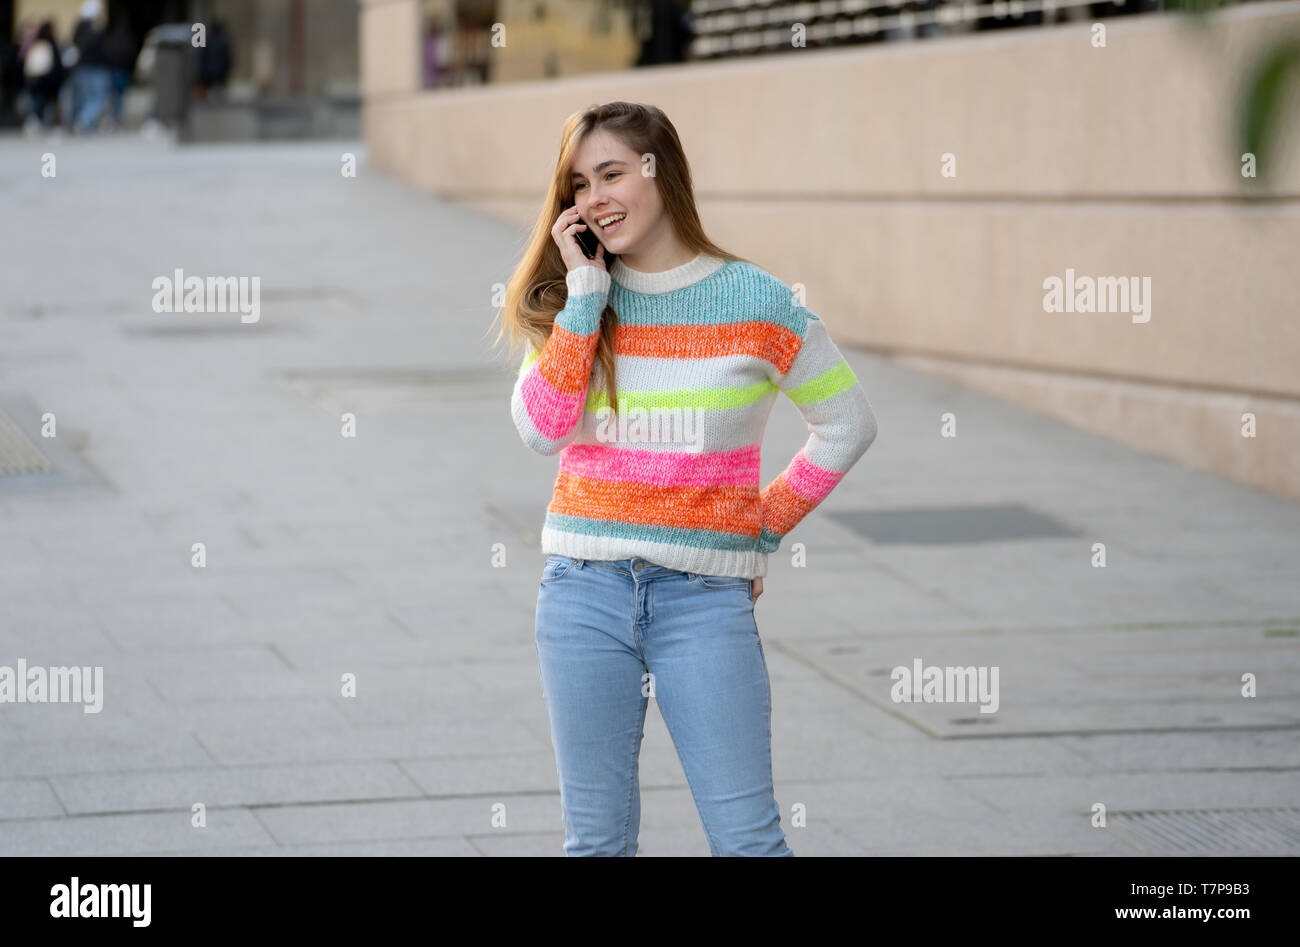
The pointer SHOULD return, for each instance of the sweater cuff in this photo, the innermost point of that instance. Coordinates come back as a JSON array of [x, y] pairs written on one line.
[[768, 541], [587, 279]]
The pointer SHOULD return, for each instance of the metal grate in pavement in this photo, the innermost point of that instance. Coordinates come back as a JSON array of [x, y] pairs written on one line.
[[959, 524], [1211, 831], [18, 455]]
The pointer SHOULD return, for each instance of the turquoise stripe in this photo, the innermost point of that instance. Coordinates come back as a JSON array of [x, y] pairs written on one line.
[[768, 541], [581, 314], [672, 535], [737, 292]]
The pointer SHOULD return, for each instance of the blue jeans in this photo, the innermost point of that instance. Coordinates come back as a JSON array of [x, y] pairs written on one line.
[[91, 85], [119, 82], [612, 632]]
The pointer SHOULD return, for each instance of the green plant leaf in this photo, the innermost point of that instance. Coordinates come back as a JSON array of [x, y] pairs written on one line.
[[1265, 93]]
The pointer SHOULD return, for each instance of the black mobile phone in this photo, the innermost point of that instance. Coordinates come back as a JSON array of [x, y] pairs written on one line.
[[588, 240]]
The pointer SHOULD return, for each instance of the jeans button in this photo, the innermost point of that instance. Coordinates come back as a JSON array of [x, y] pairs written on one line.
[[638, 566]]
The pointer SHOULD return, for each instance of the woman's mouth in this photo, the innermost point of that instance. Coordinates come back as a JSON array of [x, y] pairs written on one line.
[[610, 223]]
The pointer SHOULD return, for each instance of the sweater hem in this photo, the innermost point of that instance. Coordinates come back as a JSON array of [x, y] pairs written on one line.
[[736, 563]]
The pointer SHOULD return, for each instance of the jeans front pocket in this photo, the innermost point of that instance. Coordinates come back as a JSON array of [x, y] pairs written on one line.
[[721, 582], [556, 566]]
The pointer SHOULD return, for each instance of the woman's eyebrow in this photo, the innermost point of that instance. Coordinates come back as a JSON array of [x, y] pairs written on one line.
[[596, 169]]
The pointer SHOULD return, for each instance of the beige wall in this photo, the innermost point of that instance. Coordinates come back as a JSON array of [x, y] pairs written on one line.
[[824, 166], [62, 12], [390, 49]]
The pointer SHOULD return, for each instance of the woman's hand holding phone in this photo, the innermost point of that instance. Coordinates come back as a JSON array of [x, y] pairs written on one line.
[[565, 232]]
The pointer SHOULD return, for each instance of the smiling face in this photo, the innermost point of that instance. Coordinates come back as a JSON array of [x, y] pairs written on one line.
[[607, 181]]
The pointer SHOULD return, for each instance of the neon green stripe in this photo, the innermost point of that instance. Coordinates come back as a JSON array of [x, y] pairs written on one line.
[[710, 399], [530, 356], [830, 382]]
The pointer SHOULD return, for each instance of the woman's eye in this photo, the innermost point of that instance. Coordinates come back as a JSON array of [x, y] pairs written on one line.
[[608, 177]]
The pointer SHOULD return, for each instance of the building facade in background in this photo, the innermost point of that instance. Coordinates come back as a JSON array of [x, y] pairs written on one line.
[[282, 47], [928, 193], [292, 64]]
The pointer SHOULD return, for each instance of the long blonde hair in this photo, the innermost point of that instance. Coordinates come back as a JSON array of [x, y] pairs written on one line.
[[537, 290]]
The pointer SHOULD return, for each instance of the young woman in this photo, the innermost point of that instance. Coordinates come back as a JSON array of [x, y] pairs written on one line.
[[657, 534]]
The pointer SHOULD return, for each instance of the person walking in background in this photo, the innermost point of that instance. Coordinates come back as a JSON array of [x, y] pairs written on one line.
[[43, 75], [120, 52], [656, 550], [91, 78], [214, 61]]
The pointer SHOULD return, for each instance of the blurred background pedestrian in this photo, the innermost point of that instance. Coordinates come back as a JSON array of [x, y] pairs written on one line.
[[119, 51], [91, 75], [43, 75]]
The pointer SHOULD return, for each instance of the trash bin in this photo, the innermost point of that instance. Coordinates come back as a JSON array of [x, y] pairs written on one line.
[[174, 70]]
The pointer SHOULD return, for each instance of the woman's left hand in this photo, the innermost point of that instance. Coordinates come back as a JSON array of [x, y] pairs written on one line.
[[756, 588]]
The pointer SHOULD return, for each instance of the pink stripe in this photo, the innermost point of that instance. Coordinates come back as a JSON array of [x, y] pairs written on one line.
[[553, 414], [739, 467], [810, 481]]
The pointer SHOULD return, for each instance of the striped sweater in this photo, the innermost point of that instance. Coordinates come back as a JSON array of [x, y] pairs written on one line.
[[701, 351]]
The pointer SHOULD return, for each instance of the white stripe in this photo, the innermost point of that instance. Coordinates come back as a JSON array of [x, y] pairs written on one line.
[[643, 373]]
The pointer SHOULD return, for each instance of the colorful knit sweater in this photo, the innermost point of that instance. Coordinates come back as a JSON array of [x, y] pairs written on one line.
[[701, 351]]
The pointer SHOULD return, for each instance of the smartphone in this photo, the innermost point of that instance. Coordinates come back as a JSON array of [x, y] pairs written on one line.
[[588, 240]]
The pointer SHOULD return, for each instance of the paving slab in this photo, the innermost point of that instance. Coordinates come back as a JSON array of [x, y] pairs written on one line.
[[155, 790]]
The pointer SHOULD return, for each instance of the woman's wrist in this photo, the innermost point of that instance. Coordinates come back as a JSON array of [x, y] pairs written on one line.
[[587, 279]]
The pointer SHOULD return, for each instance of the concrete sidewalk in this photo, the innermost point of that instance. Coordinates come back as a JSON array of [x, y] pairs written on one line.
[[373, 556]]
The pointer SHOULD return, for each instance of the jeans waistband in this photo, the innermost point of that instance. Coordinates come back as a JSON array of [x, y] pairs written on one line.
[[635, 566]]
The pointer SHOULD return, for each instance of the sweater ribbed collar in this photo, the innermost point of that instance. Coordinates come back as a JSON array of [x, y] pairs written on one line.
[[665, 281]]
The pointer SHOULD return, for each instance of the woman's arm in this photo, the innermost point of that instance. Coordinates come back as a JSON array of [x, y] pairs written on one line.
[[829, 398], [551, 390]]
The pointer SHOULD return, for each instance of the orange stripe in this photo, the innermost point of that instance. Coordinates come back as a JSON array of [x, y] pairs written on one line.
[[765, 340], [562, 364], [782, 507], [726, 509]]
